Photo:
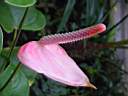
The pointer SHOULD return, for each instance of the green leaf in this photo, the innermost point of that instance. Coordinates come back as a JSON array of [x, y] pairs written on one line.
[[3, 58], [67, 13], [18, 85], [21, 3], [13, 58], [11, 16], [5, 18], [1, 40], [5, 75]]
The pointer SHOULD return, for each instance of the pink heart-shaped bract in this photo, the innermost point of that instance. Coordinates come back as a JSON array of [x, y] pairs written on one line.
[[46, 56], [54, 62]]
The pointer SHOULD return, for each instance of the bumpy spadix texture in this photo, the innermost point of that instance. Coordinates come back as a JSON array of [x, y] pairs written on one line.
[[73, 36], [46, 56]]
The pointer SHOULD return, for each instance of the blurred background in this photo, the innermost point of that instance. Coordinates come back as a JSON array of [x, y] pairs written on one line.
[[104, 58]]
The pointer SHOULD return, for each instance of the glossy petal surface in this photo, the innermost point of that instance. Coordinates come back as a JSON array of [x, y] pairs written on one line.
[[52, 61]]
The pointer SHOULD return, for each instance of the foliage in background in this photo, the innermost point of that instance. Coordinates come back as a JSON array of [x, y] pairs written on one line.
[[95, 56]]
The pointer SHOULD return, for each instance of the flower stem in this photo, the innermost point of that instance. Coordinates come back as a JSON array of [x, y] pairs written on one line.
[[16, 37]]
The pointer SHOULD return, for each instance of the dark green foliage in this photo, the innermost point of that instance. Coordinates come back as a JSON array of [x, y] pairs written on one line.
[[11, 16]]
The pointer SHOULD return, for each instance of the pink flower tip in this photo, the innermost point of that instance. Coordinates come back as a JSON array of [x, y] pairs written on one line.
[[101, 27]]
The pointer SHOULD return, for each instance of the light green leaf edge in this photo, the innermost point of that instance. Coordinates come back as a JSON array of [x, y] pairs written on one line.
[[1, 40], [18, 5], [24, 27]]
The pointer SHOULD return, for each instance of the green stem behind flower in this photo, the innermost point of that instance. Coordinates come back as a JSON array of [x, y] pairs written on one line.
[[15, 39]]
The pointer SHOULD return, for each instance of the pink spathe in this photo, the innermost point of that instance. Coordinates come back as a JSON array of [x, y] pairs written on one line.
[[52, 60]]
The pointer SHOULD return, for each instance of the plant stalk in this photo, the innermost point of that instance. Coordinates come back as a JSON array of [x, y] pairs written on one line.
[[16, 37]]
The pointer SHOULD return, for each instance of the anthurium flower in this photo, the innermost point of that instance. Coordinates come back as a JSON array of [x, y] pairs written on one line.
[[46, 56]]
